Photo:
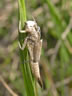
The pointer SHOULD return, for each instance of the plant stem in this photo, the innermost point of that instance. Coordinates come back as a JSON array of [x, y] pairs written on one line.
[[25, 66]]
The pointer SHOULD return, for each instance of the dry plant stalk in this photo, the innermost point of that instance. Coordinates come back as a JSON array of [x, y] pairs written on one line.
[[7, 87]]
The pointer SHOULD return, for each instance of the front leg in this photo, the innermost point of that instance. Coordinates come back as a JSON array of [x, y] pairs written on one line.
[[24, 44], [20, 30]]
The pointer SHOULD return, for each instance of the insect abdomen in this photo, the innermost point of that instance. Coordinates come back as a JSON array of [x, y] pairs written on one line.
[[36, 72]]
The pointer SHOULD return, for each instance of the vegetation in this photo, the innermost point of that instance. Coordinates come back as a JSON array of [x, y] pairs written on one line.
[[25, 66], [55, 20]]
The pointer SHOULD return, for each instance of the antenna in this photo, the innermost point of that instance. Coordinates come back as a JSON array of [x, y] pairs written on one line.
[[33, 18]]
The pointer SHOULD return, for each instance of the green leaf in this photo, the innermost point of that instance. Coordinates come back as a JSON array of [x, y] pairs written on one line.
[[25, 66]]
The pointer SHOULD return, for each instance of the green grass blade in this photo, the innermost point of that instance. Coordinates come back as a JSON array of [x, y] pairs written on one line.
[[55, 14], [56, 17], [25, 66]]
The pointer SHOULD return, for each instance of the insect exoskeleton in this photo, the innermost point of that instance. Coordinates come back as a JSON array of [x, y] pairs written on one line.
[[34, 44], [30, 26], [36, 72]]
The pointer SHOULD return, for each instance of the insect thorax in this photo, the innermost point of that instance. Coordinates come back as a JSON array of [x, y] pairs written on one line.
[[34, 37]]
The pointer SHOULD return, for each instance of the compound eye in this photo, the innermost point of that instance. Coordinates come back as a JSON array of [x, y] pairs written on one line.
[[39, 29], [35, 26]]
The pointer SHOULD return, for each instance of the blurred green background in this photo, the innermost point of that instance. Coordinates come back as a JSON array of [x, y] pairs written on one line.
[[55, 20]]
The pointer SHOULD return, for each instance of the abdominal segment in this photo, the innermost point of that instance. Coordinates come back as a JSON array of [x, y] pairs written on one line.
[[36, 72], [34, 52]]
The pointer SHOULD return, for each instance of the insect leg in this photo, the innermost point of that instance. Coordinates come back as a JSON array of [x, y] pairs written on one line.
[[24, 44], [20, 30]]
